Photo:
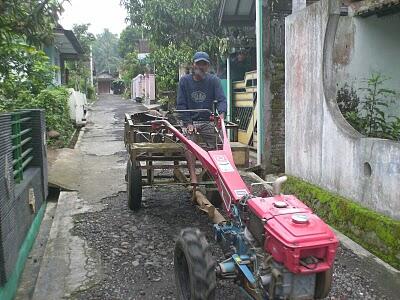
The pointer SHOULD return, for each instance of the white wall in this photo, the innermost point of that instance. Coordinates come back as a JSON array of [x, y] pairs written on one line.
[[368, 45], [77, 104], [320, 146]]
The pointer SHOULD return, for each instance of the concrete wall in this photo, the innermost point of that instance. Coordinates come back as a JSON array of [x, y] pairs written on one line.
[[368, 45], [274, 86], [77, 103], [320, 145]]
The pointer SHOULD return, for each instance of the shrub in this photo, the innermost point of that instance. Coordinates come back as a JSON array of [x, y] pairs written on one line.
[[367, 111], [55, 102], [90, 93]]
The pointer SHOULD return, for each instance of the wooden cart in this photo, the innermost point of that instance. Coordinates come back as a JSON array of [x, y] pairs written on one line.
[[156, 157]]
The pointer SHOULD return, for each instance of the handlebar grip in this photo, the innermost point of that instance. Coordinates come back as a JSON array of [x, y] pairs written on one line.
[[215, 103]]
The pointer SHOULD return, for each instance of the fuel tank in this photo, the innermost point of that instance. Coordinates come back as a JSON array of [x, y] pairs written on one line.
[[292, 233]]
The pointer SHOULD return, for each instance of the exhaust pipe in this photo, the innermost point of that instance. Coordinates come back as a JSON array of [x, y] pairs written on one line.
[[278, 184]]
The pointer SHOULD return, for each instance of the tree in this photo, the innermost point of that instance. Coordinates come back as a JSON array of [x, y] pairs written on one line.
[[105, 52], [190, 22], [128, 40], [33, 21], [25, 70], [177, 29], [84, 37], [26, 74], [167, 59], [79, 71]]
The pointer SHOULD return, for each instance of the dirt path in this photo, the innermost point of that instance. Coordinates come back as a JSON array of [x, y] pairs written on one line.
[[133, 252], [137, 250]]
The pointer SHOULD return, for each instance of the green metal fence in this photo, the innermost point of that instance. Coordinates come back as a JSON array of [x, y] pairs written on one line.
[[21, 136]]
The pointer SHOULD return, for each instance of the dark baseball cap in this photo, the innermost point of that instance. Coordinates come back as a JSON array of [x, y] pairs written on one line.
[[198, 56]]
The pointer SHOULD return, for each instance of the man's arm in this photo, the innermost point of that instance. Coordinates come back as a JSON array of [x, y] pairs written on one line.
[[182, 103], [220, 97]]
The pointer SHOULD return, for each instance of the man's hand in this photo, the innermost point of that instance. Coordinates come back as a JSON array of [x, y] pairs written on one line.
[[189, 129]]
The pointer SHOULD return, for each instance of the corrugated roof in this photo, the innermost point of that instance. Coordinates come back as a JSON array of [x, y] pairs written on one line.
[[371, 7], [67, 43], [237, 12]]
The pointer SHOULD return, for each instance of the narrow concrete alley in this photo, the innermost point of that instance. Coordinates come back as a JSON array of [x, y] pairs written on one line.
[[98, 249]]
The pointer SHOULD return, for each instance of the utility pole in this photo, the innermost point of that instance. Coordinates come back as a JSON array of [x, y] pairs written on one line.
[[91, 66]]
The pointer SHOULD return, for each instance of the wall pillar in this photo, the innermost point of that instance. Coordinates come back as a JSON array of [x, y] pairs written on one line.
[[298, 5]]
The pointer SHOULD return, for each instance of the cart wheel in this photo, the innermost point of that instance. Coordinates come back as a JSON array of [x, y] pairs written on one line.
[[134, 186], [323, 284], [214, 197], [194, 266]]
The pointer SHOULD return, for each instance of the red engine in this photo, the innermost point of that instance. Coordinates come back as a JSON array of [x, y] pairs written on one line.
[[292, 234]]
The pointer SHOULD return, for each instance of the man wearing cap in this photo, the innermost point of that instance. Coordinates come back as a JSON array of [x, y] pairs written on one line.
[[198, 91]]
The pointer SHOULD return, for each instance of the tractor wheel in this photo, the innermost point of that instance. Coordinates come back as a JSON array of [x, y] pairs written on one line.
[[214, 197], [323, 284], [134, 186], [194, 266]]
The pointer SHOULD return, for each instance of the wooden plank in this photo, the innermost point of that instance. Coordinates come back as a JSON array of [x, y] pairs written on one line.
[[240, 153], [247, 103], [158, 147], [238, 96], [144, 157], [180, 176]]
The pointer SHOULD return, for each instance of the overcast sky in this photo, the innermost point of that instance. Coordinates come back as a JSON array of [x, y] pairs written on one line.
[[99, 13]]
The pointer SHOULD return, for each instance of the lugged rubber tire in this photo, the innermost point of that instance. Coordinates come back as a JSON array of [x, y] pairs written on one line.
[[134, 186], [194, 266], [323, 282]]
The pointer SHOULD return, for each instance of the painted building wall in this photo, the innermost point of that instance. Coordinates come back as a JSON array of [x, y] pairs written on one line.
[[320, 146], [54, 57]]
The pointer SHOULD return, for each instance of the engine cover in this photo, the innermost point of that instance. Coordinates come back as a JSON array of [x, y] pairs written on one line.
[[293, 234]]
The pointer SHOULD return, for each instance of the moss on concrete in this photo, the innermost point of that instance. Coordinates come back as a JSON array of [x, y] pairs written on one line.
[[375, 232]]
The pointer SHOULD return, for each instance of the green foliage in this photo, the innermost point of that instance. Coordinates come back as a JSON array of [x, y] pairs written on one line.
[[24, 72], [347, 99], [377, 233], [90, 93], [177, 29], [105, 52], [84, 37], [130, 67], [128, 40], [118, 86], [32, 21], [377, 98], [192, 22], [55, 101], [79, 71], [395, 129], [167, 61], [366, 112]]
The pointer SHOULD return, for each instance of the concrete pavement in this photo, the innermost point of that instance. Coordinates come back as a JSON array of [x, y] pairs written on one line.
[[95, 169]]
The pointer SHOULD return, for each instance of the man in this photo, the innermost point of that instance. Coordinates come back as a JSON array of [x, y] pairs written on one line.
[[198, 91], [240, 65]]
